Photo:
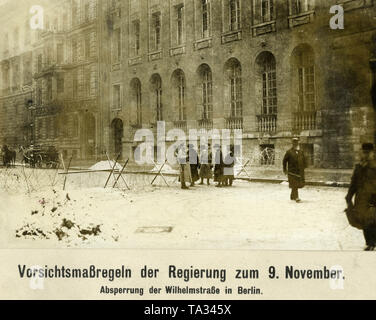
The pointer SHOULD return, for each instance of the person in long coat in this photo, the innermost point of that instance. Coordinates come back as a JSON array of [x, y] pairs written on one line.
[[294, 164], [218, 167], [362, 213], [228, 169], [194, 163], [205, 165], [184, 167]]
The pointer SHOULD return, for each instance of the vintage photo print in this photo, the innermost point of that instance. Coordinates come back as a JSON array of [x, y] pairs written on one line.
[[235, 128]]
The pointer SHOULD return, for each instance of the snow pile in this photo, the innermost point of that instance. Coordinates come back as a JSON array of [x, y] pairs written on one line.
[[166, 169], [105, 165]]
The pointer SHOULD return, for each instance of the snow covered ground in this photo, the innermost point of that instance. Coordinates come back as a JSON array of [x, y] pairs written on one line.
[[36, 213]]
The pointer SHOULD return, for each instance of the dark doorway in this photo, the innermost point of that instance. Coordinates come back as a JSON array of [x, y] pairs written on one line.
[[117, 136]]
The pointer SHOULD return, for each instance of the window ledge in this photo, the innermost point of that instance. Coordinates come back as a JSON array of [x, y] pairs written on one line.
[[356, 4], [203, 43], [155, 55], [116, 66], [135, 60], [231, 36], [300, 19], [177, 50], [263, 28]]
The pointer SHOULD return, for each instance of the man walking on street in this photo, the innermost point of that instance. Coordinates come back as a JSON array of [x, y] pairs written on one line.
[[294, 164], [362, 213]]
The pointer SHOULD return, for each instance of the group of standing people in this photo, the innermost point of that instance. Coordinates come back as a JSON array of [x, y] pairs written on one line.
[[194, 167]]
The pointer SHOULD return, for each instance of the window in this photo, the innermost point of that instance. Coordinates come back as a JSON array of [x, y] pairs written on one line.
[[236, 91], [16, 39], [39, 95], [301, 6], [49, 89], [74, 51], [65, 22], [136, 37], [137, 99], [116, 102], [87, 10], [179, 24], [16, 75], [156, 32], [234, 14], [87, 46], [269, 86], [60, 53], [205, 18], [87, 81], [60, 83], [306, 81], [156, 83], [178, 80], [27, 71], [75, 84], [40, 62], [267, 10], [75, 13], [207, 93], [116, 45]]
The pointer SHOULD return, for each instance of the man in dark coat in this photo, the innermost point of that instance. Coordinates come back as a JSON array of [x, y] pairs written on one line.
[[218, 166], [194, 163], [294, 164], [362, 213]]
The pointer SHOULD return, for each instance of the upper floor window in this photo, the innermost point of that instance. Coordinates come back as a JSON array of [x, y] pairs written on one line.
[[301, 6], [74, 50], [116, 45], [116, 100], [136, 37], [234, 15], [156, 31], [205, 4], [267, 10], [179, 24]]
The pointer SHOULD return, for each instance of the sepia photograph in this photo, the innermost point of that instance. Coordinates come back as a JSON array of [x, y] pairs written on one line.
[[188, 124]]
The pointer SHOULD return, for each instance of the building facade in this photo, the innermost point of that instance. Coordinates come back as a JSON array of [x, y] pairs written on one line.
[[274, 69]]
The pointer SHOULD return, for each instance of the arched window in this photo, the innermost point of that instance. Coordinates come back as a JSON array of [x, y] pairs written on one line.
[[137, 100], [205, 88], [234, 102], [156, 88], [266, 72], [178, 82], [304, 69]]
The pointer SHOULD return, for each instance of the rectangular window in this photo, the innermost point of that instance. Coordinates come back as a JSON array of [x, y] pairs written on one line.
[[87, 10], [60, 53], [60, 83], [300, 6], [116, 46], [205, 18], [87, 46], [156, 32], [116, 100], [27, 72], [75, 84], [267, 10], [74, 50], [87, 82], [179, 24], [136, 37], [40, 62], [49, 89], [234, 15], [269, 92], [236, 93]]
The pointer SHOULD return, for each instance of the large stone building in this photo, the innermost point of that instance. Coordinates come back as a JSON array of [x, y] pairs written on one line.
[[271, 68]]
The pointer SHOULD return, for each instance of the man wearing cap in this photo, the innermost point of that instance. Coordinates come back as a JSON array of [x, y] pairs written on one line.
[[362, 213], [294, 164]]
